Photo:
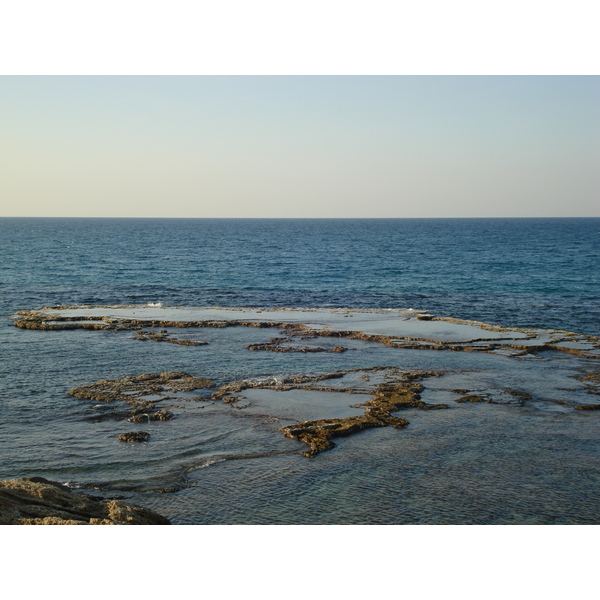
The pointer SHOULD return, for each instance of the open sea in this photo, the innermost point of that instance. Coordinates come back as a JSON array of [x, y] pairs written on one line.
[[483, 468]]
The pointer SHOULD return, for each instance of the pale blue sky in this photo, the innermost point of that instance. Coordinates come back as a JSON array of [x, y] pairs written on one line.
[[391, 146]]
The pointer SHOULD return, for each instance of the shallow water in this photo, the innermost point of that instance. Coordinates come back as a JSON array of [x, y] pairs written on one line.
[[444, 468], [533, 461]]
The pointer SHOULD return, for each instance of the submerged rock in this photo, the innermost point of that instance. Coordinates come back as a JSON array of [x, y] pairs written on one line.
[[163, 336], [475, 398], [140, 393], [135, 436], [389, 397], [276, 345], [318, 434], [159, 415], [133, 389], [39, 501]]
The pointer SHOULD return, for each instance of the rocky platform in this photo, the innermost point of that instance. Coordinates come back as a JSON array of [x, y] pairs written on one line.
[[39, 501], [395, 328]]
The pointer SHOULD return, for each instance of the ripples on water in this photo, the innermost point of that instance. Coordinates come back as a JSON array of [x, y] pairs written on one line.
[[520, 272], [472, 464], [433, 472]]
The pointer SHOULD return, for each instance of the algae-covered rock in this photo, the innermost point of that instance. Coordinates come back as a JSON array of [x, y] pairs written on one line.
[[159, 415], [135, 436], [390, 397], [39, 501]]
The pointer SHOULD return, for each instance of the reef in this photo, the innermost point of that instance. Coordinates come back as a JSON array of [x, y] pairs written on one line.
[[135, 436], [389, 397], [229, 393], [402, 392], [314, 331], [515, 342], [163, 336], [592, 380], [475, 398], [159, 415], [139, 394], [317, 434], [276, 345], [39, 501], [133, 388]]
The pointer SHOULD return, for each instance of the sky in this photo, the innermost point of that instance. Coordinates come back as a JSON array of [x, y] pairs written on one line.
[[299, 146], [385, 145]]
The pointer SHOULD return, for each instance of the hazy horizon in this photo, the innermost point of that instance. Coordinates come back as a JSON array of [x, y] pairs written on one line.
[[300, 146]]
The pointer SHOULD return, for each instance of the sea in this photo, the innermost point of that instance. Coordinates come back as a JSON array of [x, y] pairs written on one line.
[[497, 465]]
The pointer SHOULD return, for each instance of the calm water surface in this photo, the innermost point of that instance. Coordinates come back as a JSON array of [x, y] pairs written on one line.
[[473, 464]]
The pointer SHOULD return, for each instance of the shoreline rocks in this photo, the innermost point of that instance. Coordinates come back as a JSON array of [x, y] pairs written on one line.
[[39, 501]]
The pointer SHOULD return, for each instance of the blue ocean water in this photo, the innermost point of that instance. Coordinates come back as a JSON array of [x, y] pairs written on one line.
[[472, 464], [520, 272]]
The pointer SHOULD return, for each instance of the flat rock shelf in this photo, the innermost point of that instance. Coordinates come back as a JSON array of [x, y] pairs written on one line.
[[250, 391]]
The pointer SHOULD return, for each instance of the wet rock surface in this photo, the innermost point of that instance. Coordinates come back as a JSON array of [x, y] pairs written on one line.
[[159, 415], [163, 336], [475, 398], [389, 397], [400, 391], [592, 380], [138, 396], [229, 393], [39, 501], [511, 384], [277, 345], [133, 388], [135, 436], [483, 337], [135, 396]]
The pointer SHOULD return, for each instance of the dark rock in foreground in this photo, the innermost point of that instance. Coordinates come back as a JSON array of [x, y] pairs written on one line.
[[38, 501]]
